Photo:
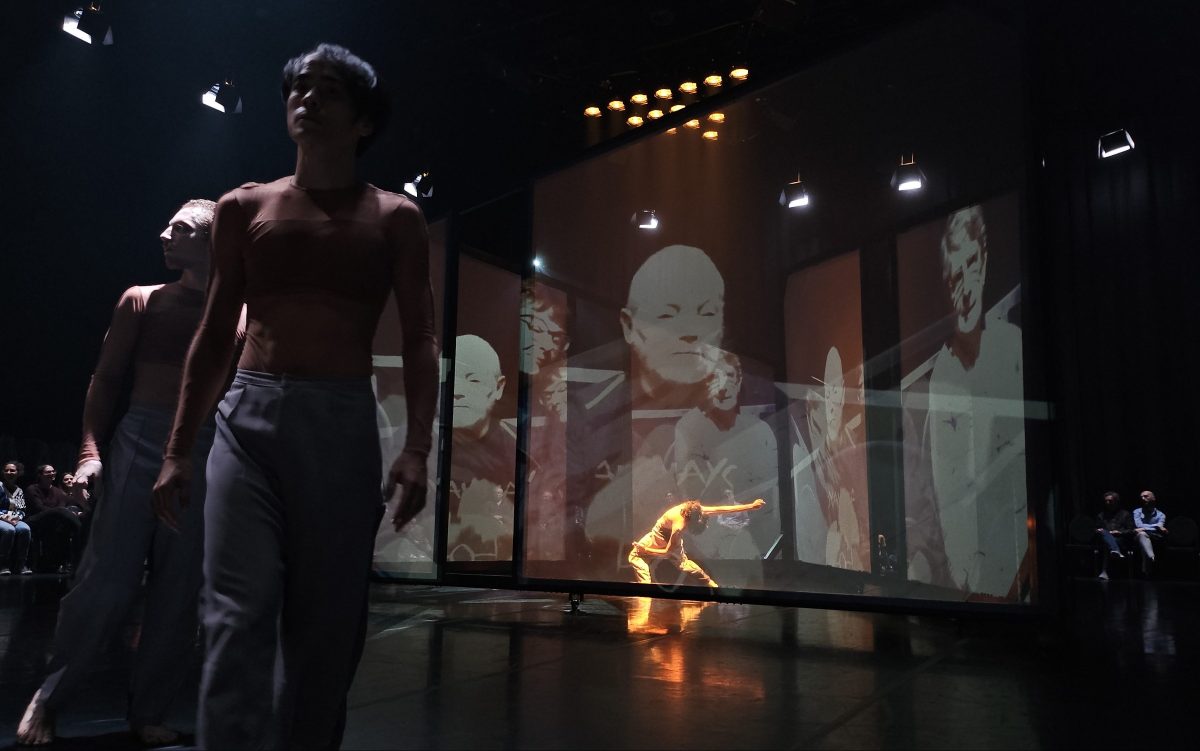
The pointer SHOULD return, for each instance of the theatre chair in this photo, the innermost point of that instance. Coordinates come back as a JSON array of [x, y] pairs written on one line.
[[1183, 542]]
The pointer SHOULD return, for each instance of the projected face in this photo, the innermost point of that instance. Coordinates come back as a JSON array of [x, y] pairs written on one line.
[[545, 336], [725, 380], [964, 264], [833, 394], [478, 384], [185, 245], [675, 310], [554, 396], [319, 108]]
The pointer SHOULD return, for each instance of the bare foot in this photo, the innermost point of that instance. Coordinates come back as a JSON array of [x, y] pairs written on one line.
[[37, 724], [157, 735]]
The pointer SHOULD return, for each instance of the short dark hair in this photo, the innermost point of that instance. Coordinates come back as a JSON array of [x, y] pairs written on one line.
[[204, 211], [362, 83], [20, 467], [693, 516], [1113, 495]]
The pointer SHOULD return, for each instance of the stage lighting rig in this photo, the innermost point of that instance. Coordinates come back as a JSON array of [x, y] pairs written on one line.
[[1111, 144], [89, 24], [223, 97], [908, 176]]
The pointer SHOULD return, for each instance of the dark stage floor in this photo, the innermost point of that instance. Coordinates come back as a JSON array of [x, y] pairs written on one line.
[[457, 668]]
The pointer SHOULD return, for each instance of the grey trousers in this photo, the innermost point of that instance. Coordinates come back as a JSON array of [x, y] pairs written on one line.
[[293, 505], [124, 535]]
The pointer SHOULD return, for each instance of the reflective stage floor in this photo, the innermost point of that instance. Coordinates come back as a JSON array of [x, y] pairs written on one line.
[[463, 668]]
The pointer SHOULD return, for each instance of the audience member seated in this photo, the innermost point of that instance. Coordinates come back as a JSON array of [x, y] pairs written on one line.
[[1150, 526], [1115, 532], [53, 521], [14, 532]]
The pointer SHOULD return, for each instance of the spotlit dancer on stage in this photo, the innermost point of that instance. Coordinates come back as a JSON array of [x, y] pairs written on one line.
[[294, 475], [665, 539], [146, 343]]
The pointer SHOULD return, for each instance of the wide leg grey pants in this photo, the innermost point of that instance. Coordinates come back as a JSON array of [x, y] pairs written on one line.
[[293, 505], [125, 534]]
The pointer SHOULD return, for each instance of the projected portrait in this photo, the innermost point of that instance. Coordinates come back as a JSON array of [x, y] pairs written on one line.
[[410, 551], [544, 346], [966, 510], [826, 411], [673, 426], [483, 457]]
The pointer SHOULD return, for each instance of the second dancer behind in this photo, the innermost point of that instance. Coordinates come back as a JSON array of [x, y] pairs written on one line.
[[314, 256]]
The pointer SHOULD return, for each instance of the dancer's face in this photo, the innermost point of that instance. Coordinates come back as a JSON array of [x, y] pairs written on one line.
[[185, 245], [320, 111]]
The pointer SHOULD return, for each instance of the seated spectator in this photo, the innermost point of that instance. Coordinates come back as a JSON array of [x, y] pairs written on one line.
[[50, 516], [14, 532], [1115, 532], [1150, 525]]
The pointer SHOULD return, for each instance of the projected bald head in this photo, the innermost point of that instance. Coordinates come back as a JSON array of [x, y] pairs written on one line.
[[674, 312], [964, 265], [478, 383]]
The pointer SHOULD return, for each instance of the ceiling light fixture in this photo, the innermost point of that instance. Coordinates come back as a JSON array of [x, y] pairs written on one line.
[[663, 93], [88, 24], [688, 87], [908, 176], [616, 105], [223, 97], [592, 111], [710, 135], [639, 98], [794, 195], [645, 219], [1111, 144]]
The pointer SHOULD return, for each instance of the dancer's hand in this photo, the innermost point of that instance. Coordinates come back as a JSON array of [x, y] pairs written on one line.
[[407, 475], [174, 482], [87, 471], [757, 503]]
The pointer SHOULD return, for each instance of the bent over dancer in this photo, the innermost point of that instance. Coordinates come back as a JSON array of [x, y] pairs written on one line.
[[314, 256], [665, 539], [147, 340]]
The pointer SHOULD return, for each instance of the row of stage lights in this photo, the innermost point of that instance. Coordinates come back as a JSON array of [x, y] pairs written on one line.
[[659, 103], [89, 24]]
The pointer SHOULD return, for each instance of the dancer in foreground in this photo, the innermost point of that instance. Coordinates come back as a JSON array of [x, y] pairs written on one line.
[[313, 256], [665, 539]]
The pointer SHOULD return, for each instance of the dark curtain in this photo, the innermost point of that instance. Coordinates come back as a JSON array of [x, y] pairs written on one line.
[[1119, 246]]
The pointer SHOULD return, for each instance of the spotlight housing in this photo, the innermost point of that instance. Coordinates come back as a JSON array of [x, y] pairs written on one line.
[[794, 195], [89, 24], [714, 80], [639, 98], [223, 97], [676, 107], [654, 114], [688, 87], [739, 73], [716, 117], [908, 176], [710, 135], [634, 121], [420, 187], [616, 105], [591, 111], [692, 124], [663, 93], [1111, 144], [537, 263], [645, 219]]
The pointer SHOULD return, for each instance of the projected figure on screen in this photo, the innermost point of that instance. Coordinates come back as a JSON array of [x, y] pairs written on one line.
[[722, 451], [839, 468], [621, 456], [975, 435], [544, 345], [482, 457], [665, 540]]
